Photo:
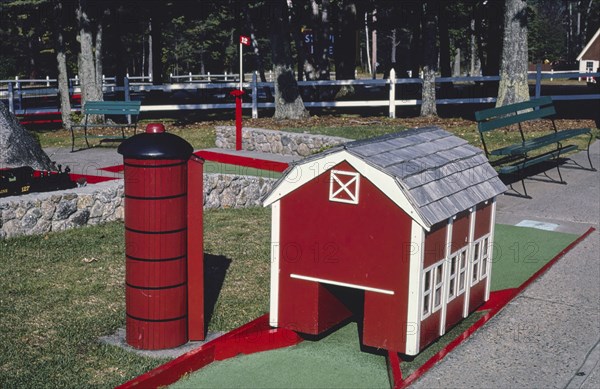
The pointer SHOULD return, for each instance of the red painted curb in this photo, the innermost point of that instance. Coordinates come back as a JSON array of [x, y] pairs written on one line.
[[252, 337], [502, 298], [239, 160], [113, 169]]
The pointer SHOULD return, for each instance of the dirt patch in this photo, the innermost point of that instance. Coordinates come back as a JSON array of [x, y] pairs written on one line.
[[350, 121]]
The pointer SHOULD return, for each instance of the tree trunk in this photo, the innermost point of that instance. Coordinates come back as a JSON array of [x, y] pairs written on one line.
[[156, 51], [394, 44], [113, 36], [513, 69], [312, 59], [295, 9], [98, 57], [407, 35], [61, 62], [456, 67], [19, 147], [430, 59], [445, 68], [288, 102], [323, 62], [475, 68], [151, 52], [257, 54], [63, 87], [489, 40], [87, 67], [374, 61], [346, 42]]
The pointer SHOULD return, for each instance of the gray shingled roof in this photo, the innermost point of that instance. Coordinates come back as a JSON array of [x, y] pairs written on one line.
[[440, 174]]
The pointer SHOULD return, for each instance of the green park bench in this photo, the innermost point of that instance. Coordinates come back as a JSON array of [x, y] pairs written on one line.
[[129, 109], [515, 158]]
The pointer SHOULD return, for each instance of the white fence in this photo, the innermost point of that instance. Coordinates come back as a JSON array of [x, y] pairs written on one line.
[[17, 90]]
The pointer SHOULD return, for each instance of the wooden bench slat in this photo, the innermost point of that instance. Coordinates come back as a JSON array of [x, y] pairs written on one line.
[[129, 109], [536, 143], [113, 111], [535, 160], [110, 103], [515, 119], [511, 108]]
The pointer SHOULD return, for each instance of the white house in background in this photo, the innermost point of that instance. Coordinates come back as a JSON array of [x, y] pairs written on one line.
[[589, 58]]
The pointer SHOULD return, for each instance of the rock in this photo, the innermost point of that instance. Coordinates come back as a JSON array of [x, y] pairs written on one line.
[[64, 209], [80, 217], [303, 150], [19, 147]]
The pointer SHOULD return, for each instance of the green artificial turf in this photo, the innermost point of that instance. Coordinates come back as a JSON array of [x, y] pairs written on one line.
[[225, 168], [332, 362], [521, 251]]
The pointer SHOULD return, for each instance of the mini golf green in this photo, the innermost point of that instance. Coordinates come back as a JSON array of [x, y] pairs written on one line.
[[337, 361], [225, 168], [521, 251]]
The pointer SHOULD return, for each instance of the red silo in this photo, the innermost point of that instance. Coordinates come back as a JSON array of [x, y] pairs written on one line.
[[156, 238]]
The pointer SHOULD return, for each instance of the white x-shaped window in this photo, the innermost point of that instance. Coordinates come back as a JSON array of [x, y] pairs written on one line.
[[344, 186]]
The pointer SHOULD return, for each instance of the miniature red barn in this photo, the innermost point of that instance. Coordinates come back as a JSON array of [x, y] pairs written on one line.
[[407, 218]]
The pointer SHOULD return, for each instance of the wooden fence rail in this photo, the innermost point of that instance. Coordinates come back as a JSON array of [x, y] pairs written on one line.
[[15, 91]]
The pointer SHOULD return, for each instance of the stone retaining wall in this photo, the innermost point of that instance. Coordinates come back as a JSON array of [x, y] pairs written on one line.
[[40, 213], [277, 142], [233, 191]]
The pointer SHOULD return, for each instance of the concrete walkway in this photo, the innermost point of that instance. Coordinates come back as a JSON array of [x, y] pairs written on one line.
[[547, 337], [87, 161], [91, 161]]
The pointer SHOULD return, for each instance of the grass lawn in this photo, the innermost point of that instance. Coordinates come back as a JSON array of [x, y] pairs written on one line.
[[226, 168], [60, 292], [202, 134]]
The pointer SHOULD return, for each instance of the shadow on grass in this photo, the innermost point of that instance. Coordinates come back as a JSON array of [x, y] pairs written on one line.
[[215, 270]]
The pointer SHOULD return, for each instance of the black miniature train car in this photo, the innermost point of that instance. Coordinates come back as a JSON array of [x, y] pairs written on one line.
[[24, 179]]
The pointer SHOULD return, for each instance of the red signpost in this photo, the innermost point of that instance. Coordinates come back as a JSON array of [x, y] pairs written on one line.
[[238, 93]]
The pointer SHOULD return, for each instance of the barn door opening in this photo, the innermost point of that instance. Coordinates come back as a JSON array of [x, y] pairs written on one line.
[[354, 300]]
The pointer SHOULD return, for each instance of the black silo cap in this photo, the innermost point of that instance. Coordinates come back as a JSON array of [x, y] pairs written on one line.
[[155, 143]]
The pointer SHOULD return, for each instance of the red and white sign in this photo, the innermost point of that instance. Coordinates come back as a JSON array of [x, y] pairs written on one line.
[[245, 40]]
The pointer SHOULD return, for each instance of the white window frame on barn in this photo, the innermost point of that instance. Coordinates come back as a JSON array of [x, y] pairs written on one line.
[[426, 292], [480, 261], [475, 262], [438, 286], [485, 257], [453, 277], [462, 270], [338, 186], [433, 288]]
